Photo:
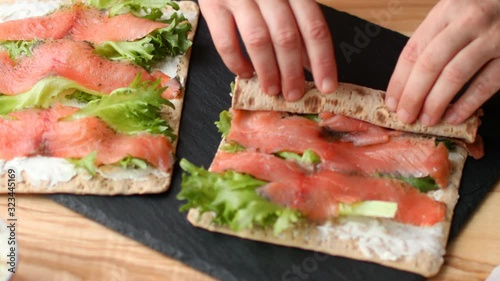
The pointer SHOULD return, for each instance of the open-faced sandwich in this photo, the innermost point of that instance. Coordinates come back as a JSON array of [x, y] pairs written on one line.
[[91, 93], [334, 173]]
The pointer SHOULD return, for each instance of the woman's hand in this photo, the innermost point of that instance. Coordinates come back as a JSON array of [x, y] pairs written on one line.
[[281, 37], [459, 40]]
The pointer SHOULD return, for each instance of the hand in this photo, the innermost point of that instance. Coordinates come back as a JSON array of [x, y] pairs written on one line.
[[280, 36], [457, 40]]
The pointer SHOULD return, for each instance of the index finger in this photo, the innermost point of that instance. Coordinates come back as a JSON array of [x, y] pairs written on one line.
[[318, 43], [223, 30]]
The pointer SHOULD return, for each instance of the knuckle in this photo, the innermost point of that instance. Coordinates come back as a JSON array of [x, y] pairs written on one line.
[[257, 39], [481, 14], [455, 75], [472, 19], [317, 30], [325, 64], [226, 46], [287, 39], [482, 89], [428, 64], [293, 77], [410, 52], [465, 108]]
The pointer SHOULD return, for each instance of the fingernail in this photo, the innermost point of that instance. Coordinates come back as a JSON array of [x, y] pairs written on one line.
[[273, 90], [294, 95], [404, 115], [391, 103], [452, 118], [327, 86], [425, 119]]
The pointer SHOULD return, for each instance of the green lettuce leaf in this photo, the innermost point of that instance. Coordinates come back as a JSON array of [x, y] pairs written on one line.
[[131, 110], [423, 184], [42, 95], [379, 209], [19, 48], [86, 163], [233, 86], [312, 117], [132, 163], [82, 97], [232, 147], [450, 145], [161, 43], [233, 198], [307, 158], [150, 9], [224, 123]]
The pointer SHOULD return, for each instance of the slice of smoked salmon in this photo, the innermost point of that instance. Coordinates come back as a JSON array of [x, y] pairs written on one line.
[[358, 132], [82, 23], [317, 194], [21, 133], [272, 132], [72, 60], [173, 90], [95, 26], [5, 58], [40, 132], [56, 25]]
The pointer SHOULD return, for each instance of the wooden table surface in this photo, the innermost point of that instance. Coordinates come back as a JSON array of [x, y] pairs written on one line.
[[59, 244]]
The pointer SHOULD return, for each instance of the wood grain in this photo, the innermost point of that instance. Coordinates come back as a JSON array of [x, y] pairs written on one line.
[[59, 244], [403, 16]]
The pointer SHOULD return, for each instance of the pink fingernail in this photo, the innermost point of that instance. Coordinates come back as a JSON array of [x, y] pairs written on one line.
[[425, 119], [273, 90], [391, 103], [294, 95], [327, 86], [404, 115], [452, 118]]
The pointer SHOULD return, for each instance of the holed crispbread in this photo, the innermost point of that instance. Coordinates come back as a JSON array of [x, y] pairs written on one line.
[[350, 100], [310, 236], [154, 182]]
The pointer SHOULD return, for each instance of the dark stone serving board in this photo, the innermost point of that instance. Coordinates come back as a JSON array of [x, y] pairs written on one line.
[[154, 220]]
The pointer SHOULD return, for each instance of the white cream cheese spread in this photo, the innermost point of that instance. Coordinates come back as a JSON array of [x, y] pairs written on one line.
[[387, 240]]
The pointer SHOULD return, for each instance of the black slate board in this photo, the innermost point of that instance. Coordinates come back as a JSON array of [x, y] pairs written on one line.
[[155, 221]]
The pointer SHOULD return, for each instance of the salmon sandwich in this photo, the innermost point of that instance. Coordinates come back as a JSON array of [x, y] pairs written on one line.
[[335, 173], [91, 93]]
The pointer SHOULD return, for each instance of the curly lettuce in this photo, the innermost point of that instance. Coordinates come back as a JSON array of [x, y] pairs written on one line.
[[150, 9], [87, 163], [45, 93], [132, 163], [156, 46], [18, 48], [234, 200], [131, 110], [307, 158]]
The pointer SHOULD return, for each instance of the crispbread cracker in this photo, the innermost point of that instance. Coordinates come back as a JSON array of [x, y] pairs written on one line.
[[97, 185], [309, 237], [154, 182], [350, 100]]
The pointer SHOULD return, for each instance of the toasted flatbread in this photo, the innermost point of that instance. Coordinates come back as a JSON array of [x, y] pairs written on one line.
[[350, 100], [382, 241], [112, 180]]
